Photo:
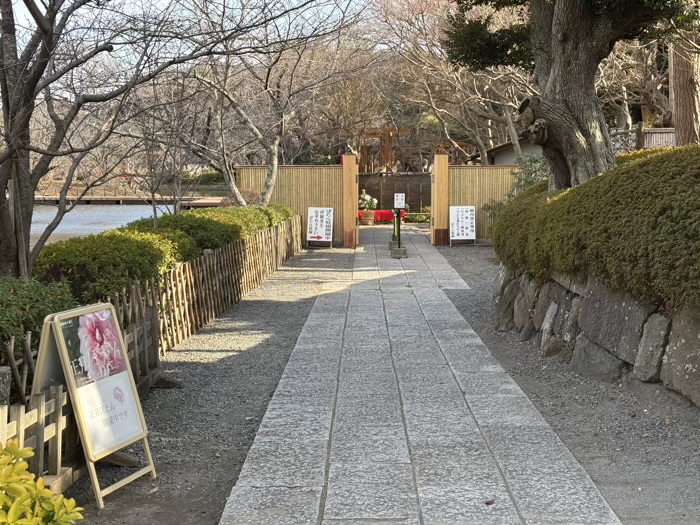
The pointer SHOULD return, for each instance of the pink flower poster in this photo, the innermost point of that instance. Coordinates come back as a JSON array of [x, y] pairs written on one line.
[[99, 364]]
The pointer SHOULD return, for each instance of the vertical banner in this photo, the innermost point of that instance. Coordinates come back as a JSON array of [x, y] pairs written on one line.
[[462, 223], [320, 225]]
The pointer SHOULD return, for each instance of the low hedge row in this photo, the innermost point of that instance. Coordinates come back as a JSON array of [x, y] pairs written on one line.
[[24, 303], [98, 266], [636, 227]]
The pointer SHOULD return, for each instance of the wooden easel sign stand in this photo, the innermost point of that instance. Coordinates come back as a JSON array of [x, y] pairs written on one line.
[[83, 349]]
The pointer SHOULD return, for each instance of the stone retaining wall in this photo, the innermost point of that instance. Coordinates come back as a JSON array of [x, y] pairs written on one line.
[[602, 334]]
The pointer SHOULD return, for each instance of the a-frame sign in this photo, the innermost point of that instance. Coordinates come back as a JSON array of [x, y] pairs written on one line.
[[83, 349]]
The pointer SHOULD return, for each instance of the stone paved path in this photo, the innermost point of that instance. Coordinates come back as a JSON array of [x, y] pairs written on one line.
[[391, 410]]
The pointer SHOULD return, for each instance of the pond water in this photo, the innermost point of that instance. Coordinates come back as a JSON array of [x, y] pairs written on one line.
[[86, 219]]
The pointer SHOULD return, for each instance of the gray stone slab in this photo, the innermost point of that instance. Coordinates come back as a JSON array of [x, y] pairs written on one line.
[[285, 464], [548, 484], [409, 521], [374, 411], [377, 491], [296, 418], [488, 383], [437, 423], [467, 505], [462, 462], [369, 444], [272, 506], [515, 410]]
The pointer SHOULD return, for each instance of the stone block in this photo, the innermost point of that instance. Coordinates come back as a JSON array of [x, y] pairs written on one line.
[[565, 306], [524, 304], [504, 307], [548, 324], [399, 253], [680, 369], [528, 331], [647, 366], [554, 346], [550, 292], [503, 278], [590, 360], [613, 320], [570, 328]]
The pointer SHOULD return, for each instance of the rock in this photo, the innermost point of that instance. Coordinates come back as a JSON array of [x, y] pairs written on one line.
[[504, 307], [525, 302], [553, 347], [570, 330], [548, 323], [565, 355], [680, 368], [565, 305], [590, 360], [504, 276], [5, 385], [521, 313], [528, 331], [549, 292], [613, 320], [647, 366]]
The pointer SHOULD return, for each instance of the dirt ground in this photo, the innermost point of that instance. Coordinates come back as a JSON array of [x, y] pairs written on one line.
[[638, 442]]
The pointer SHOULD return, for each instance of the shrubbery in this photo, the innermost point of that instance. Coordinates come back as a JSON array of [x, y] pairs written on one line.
[[636, 227], [24, 303], [24, 500], [99, 266]]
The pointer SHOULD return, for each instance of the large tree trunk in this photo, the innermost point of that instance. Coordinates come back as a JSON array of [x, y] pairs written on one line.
[[567, 119], [685, 79], [272, 169]]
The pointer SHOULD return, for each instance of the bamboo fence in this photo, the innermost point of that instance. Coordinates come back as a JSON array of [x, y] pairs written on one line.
[[155, 316]]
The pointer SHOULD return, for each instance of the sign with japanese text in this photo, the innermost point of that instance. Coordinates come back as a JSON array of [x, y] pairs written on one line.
[[83, 349], [320, 225], [399, 201], [463, 223]]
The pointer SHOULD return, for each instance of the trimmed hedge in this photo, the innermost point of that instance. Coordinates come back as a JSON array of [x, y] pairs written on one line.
[[99, 266], [636, 228], [24, 303]]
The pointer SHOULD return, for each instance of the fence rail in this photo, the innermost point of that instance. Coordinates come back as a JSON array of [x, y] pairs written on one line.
[[155, 316]]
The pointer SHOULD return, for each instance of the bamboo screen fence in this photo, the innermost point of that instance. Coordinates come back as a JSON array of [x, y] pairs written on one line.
[[476, 186], [301, 187]]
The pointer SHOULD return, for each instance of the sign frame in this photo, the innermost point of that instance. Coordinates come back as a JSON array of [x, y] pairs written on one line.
[[53, 342], [454, 212], [399, 201], [327, 237]]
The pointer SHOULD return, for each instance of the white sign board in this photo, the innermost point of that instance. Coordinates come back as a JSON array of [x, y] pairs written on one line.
[[399, 201], [463, 223], [320, 225]]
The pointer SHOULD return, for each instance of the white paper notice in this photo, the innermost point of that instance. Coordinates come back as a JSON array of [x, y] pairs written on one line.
[[320, 225], [463, 223]]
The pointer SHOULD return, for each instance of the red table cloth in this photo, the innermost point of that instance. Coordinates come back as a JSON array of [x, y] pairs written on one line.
[[381, 215]]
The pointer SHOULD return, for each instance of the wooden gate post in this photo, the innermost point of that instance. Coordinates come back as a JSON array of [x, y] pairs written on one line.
[[439, 202], [350, 198]]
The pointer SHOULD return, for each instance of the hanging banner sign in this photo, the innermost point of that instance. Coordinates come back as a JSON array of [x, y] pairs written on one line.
[[320, 225], [399, 201], [463, 223], [83, 349]]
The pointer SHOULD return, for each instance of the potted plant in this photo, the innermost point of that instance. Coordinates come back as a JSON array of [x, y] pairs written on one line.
[[367, 205]]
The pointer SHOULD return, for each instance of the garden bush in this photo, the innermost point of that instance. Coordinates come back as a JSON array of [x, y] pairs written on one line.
[[636, 227], [98, 266], [277, 213], [24, 500], [241, 221], [186, 248], [24, 303], [204, 231]]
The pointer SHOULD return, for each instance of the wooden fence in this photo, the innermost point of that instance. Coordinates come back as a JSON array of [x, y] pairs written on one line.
[[477, 186], [155, 316]]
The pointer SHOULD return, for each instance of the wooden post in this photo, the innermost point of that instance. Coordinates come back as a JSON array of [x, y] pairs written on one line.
[[350, 197], [36, 462], [439, 202]]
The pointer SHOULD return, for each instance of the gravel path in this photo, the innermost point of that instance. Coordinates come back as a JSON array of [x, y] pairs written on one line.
[[638, 443], [200, 434]]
